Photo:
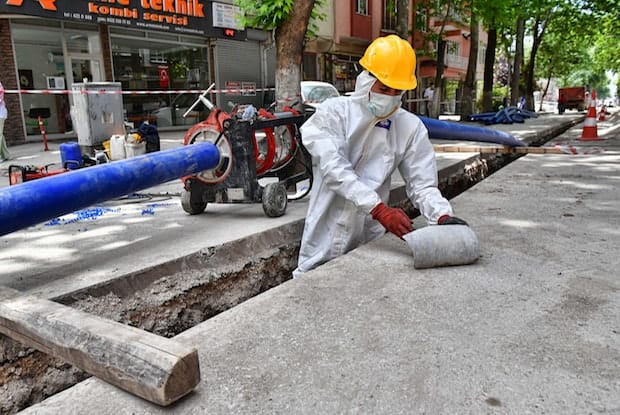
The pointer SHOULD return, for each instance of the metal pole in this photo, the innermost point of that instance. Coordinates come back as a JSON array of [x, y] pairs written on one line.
[[39, 200]]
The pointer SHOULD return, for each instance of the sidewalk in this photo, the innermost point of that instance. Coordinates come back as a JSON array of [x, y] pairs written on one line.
[[532, 327]]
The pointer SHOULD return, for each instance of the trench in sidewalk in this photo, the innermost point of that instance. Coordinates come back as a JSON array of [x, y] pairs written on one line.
[[172, 298]]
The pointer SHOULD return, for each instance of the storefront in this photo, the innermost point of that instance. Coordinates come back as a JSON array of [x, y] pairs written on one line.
[[162, 53]]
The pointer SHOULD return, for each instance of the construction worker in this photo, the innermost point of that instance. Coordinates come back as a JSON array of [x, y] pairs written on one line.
[[428, 99], [356, 143], [4, 150]]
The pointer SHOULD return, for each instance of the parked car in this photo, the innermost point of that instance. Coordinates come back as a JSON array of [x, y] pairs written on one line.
[[315, 92], [172, 114]]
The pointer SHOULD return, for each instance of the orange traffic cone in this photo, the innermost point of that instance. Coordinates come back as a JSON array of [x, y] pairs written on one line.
[[590, 132], [602, 113]]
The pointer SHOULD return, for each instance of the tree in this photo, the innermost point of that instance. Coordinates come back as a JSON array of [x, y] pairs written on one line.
[[468, 93], [563, 50], [289, 20], [402, 17], [518, 59], [496, 16], [446, 11]]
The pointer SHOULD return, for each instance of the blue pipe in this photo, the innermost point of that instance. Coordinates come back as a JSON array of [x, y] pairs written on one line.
[[36, 201], [445, 130]]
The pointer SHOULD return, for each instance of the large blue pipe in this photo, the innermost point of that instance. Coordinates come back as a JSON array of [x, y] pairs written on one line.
[[39, 200], [445, 130]]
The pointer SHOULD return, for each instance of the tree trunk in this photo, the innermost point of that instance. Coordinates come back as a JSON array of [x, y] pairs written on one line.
[[289, 53], [530, 82], [439, 81], [542, 97], [402, 18], [489, 64], [468, 94], [518, 58]]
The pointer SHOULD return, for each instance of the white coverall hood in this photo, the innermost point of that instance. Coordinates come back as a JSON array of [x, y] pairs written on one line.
[[363, 84], [353, 158]]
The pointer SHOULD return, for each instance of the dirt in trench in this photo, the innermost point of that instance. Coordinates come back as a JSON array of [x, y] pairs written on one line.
[[167, 307]]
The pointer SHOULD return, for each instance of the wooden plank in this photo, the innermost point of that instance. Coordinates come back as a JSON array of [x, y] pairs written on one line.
[[157, 369], [502, 150]]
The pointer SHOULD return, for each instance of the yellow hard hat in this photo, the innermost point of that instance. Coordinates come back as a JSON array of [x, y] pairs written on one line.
[[391, 60]]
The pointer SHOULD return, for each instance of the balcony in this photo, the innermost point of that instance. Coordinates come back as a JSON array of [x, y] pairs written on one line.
[[457, 62]]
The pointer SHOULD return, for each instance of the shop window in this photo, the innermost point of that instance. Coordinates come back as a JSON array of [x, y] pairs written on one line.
[[309, 66], [345, 73], [41, 65], [167, 66]]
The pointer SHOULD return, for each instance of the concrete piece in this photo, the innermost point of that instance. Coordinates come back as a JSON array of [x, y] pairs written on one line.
[[445, 245], [152, 367], [532, 327]]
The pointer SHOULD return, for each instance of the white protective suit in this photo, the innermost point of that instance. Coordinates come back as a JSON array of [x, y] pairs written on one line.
[[353, 158]]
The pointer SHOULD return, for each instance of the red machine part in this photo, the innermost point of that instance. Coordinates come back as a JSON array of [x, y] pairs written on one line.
[[21, 174], [211, 130], [273, 147], [280, 144]]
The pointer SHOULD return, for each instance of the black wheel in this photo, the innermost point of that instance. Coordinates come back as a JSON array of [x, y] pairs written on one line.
[[192, 204], [274, 199]]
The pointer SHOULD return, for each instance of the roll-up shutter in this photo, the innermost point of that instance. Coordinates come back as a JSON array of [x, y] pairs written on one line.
[[238, 67]]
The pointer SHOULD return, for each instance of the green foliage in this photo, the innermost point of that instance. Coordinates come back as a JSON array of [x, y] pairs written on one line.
[[596, 80], [499, 93], [563, 50], [606, 45], [270, 14]]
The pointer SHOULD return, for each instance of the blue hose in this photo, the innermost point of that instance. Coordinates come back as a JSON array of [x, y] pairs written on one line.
[[39, 200], [445, 130]]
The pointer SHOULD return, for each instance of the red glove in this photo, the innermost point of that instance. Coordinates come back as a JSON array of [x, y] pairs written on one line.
[[393, 219]]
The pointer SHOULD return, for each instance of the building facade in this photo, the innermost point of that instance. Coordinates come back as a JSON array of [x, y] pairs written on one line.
[[162, 53], [351, 25]]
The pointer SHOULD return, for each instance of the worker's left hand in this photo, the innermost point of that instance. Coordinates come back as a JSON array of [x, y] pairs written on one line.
[[451, 220]]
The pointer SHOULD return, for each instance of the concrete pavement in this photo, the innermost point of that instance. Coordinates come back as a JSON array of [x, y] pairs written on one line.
[[532, 327]]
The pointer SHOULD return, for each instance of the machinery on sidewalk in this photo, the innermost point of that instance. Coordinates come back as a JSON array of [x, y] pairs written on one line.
[[71, 159], [261, 160]]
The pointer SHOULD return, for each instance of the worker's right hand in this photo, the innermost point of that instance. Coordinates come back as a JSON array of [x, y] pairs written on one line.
[[395, 220]]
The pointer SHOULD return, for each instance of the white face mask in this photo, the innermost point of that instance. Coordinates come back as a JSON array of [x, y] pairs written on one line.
[[381, 105]]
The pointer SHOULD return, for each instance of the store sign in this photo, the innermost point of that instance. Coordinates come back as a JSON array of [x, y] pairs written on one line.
[[226, 16], [177, 16], [232, 87]]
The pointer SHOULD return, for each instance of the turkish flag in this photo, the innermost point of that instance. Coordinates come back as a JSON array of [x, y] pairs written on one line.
[[164, 77]]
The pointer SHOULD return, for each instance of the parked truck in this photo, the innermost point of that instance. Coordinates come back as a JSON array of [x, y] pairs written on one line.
[[572, 98]]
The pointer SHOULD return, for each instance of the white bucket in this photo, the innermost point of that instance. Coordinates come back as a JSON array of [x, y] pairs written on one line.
[[117, 147], [137, 149]]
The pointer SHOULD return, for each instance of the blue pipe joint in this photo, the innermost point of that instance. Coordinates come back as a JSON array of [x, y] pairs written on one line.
[[37, 201], [445, 130]]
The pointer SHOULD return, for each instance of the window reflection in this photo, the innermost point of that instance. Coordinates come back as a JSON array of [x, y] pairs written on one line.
[[170, 67]]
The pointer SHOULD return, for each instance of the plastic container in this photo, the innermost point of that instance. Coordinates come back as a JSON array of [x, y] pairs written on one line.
[[71, 155], [106, 149], [117, 147], [137, 149]]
